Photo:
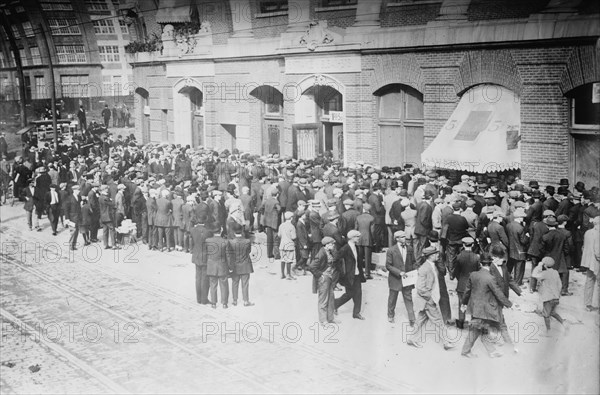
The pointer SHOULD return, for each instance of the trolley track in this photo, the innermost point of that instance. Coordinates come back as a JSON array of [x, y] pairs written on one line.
[[113, 292]]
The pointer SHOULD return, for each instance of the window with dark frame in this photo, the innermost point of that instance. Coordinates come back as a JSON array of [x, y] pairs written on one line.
[[337, 3], [273, 6]]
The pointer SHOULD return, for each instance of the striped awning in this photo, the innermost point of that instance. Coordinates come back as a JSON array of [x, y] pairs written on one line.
[[174, 11], [482, 135]]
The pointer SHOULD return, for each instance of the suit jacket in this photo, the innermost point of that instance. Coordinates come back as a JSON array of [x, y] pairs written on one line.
[[457, 228], [238, 250], [377, 209], [151, 210], [73, 212], [427, 286], [48, 200], [302, 238], [497, 234], [333, 231], [314, 227], [187, 213], [177, 204], [270, 217], [467, 262], [107, 209], [364, 224], [558, 245], [395, 265], [423, 224], [505, 280], [294, 195], [164, 207], [484, 296], [217, 263], [347, 221], [348, 267], [29, 198], [517, 241], [537, 230], [199, 235]]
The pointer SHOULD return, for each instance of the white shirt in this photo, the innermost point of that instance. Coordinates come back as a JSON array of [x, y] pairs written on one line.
[[402, 252], [54, 196], [353, 248]]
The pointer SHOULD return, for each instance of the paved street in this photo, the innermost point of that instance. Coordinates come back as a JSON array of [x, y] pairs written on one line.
[[126, 321]]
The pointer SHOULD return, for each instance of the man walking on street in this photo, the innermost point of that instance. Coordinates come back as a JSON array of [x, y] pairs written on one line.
[[398, 261], [426, 302], [352, 275], [483, 295]]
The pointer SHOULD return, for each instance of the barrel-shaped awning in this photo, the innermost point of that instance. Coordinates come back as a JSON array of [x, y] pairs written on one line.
[[174, 11], [482, 135]]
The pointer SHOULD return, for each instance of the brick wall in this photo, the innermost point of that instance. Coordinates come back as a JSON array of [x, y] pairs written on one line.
[[502, 9], [406, 15]]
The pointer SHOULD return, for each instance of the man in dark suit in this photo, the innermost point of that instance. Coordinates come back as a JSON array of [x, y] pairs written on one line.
[[331, 229], [270, 220], [466, 262], [297, 192], [378, 212], [53, 203], [364, 224], [314, 228], [348, 217], [325, 270], [28, 193], [199, 235], [217, 269], [517, 245], [107, 217], [505, 282], [457, 230], [399, 260], [423, 224], [73, 214], [240, 264], [483, 296], [351, 275], [303, 244], [558, 245], [164, 220]]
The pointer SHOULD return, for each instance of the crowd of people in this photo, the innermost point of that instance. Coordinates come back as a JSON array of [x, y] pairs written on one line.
[[328, 219]]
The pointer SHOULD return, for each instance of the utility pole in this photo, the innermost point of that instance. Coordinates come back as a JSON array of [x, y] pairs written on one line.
[[53, 87], [18, 63]]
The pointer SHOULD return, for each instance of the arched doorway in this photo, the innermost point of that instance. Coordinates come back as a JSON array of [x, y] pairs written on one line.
[[143, 113], [319, 119], [400, 124], [188, 105], [269, 105]]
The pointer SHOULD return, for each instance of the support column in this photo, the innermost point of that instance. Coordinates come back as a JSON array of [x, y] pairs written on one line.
[[241, 18], [298, 16], [454, 10], [367, 14]]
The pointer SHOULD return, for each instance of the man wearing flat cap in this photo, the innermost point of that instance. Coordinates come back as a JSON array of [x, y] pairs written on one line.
[[351, 276], [427, 299], [364, 224], [398, 261], [558, 244], [325, 275]]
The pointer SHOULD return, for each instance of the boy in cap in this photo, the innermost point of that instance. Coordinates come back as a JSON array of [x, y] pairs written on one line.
[[549, 289], [287, 246]]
